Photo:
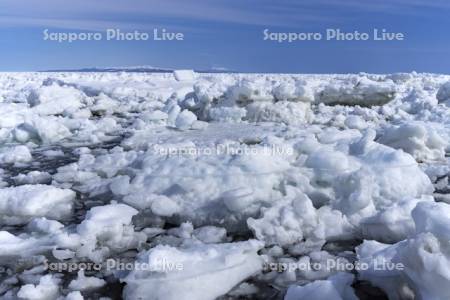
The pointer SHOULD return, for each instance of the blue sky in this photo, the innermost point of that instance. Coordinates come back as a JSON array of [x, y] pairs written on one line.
[[228, 34]]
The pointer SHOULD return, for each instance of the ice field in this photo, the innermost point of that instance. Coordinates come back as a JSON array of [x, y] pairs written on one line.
[[230, 186]]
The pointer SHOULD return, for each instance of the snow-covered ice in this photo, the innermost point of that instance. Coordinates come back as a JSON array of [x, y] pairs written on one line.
[[336, 287], [193, 271], [21, 204], [201, 186]]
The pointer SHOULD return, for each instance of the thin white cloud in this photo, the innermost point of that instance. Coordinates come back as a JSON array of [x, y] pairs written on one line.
[[84, 24], [173, 11], [89, 14]]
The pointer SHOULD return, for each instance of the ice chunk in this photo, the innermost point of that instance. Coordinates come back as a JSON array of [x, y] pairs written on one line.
[[355, 122], [336, 287], [248, 91], [164, 206], [443, 94], [13, 246], [293, 91], [292, 220], [184, 75], [20, 204], [418, 265], [416, 138], [227, 114], [376, 257], [42, 225], [364, 92], [53, 153], [42, 130], [85, 283], [362, 179], [210, 234], [47, 289], [102, 104], [12, 114], [120, 185], [75, 295], [103, 220], [154, 116], [33, 177], [433, 218], [209, 189], [185, 120], [173, 110], [193, 272], [107, 229], [55, 99], [393, 223], [386, 176], [18, 154], [280, 112]]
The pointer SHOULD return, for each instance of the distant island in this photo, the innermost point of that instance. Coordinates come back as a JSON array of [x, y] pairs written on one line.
[[136, 69]]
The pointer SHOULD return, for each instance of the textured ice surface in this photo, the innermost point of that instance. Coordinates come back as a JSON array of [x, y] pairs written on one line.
[[198, 186], [21, 204], [424, 255], [336, 287], [17, 154], [196, 271]]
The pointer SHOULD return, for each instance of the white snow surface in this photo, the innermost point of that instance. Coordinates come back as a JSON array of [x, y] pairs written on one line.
[[200, 186], [196, 271], [23, 203]]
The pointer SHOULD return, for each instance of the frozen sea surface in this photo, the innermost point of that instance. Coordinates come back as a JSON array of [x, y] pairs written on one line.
[[224, 186]]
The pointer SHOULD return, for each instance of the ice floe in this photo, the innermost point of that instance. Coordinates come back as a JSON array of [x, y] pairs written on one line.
[[198, 186]]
